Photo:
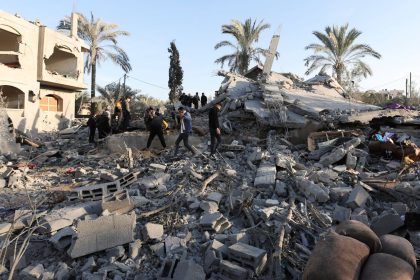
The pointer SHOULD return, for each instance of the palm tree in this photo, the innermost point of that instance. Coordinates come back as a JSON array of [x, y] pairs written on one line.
[[339, 52], [113, 92], [246, 34], [102, 40]]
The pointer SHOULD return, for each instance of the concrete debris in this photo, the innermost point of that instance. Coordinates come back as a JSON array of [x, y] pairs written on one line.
[[266, 205], [103, 233]]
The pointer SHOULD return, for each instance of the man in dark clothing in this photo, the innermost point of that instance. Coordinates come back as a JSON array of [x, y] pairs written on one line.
[[190, 100], [214, 128], [126, 113], [185, 130], [196, 100], [104, 124], [156, 129], [92, 128], [148, 117], [203, 100]]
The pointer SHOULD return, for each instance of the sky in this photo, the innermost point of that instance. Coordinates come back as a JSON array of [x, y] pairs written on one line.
[[390, 27]]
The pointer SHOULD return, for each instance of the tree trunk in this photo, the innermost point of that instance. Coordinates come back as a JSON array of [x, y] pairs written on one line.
[[92, 88]]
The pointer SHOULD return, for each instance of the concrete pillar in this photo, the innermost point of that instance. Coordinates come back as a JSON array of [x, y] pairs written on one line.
[[271, 55], [74, 22]]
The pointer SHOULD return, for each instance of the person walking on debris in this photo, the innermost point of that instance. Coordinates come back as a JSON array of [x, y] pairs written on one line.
[[185, 130], [118, 115], [203, 100], [126, 113], [104, 124], [156, 128], [214, 128], [92, 127], [196, 100]]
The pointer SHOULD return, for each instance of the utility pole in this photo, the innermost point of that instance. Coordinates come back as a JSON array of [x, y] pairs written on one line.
[[410, 84], [125, 77], [406, 88]]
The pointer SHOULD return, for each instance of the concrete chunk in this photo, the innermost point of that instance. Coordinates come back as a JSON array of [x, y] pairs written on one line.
[[358, 197], [341, 214], [386, 224], [230, 270], [32, 272], [189, 270], [102, 233], [248, 255], [118, 202], [152, 231]]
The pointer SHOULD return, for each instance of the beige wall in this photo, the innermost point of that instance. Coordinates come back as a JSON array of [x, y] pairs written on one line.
[[37, 42]]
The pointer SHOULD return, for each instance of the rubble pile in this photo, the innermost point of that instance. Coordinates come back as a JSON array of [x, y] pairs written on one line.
[[265, 208]]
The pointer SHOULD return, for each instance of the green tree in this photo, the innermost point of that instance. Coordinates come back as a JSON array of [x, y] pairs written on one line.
[[176, 74], [246, 35], [102, 40], [339, 52]]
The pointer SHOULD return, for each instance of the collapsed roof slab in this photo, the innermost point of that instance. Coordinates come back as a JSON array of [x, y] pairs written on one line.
[[265, 116], [313, 104]]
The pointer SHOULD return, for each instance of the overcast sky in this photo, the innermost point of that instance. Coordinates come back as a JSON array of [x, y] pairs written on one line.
[[390, 27]]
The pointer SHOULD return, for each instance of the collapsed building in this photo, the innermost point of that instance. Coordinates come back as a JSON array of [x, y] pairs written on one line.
[[284, 198], [41, 70]]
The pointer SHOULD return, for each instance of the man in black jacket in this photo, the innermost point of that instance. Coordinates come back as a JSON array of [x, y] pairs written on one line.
[[203, 100], [156, 129], [214, 128]]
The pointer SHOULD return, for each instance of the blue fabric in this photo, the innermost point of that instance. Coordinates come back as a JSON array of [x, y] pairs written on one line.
[[187, 122]]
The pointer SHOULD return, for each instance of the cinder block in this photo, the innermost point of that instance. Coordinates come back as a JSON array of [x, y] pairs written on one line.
[[232, 271], [248, 255], [118, 202], [94, 192], [103, 233], [214, 222]]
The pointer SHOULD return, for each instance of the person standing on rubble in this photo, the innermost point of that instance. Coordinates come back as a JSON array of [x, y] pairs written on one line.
[[203, 100], [214, 128], [185, 122], [126, 113], [92, 127], [148, 117], [156, 128], [196, 100], [104, 124]]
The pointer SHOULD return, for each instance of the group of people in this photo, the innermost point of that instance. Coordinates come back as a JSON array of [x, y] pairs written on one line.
[[103, 121], [156, 125], [188, 100]]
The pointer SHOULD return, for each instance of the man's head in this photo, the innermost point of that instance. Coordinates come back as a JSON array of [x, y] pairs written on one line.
[[202, 93], [196, 93], [181, 111], [128, 98]]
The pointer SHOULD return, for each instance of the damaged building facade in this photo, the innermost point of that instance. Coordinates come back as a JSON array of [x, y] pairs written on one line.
[[40, 72]]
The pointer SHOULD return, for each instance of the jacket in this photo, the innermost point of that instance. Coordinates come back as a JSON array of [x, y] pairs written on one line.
[[213, 118], [187, 122]]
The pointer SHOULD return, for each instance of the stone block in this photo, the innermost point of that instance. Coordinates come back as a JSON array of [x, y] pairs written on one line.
[[358, 197], [62, 239], [102, 233], [248, 255], [152, 231]]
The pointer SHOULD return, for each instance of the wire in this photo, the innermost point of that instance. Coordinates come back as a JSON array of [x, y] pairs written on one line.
[[157, 86], [387, 83]]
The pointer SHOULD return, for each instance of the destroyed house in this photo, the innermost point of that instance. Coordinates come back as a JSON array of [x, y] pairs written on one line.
[[41, 70]]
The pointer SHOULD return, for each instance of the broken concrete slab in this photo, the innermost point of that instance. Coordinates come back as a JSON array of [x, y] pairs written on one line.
[[103, 233], [214, 222], [118, 202], [266, 176], [229, 270], [61, 218]]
